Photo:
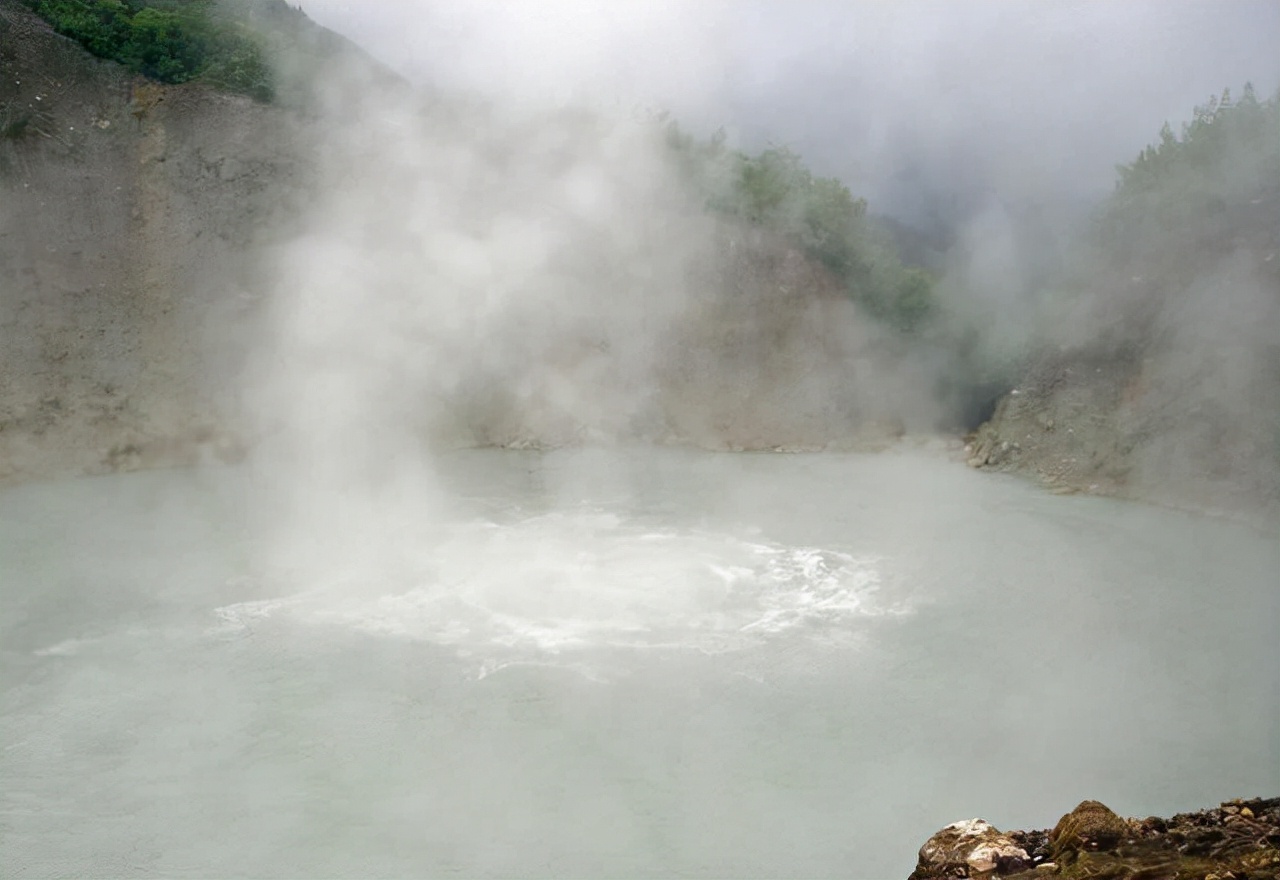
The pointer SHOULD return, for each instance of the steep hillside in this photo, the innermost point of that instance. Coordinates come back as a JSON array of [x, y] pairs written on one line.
[[1160, 378]]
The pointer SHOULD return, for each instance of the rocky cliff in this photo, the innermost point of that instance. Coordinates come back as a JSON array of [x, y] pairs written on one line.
[[132, 222]]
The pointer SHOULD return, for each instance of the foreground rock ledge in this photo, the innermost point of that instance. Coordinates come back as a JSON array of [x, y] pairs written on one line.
[[1237, 840]]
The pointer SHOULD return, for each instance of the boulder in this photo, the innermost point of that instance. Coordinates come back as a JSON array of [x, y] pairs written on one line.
[[972, 848], [1090, 827]]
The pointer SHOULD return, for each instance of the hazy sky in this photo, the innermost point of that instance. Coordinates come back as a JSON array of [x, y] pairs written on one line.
[[1032, 99]]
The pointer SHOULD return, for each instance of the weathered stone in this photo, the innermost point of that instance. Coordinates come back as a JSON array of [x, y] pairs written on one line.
[[972, 848], [1090, 827]]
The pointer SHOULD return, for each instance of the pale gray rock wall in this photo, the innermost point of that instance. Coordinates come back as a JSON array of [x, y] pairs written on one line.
[[132, 216]]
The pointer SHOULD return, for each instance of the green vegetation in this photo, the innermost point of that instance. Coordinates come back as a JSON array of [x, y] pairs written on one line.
[[774, 190], [1183, 192], [173, 41]]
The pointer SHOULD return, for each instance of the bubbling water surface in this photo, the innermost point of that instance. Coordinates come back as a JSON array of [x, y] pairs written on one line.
[[567, 582]]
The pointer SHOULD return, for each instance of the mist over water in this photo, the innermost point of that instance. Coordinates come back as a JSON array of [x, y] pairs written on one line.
[[478, 276], [464, 281], [510, 256], [654, 662]]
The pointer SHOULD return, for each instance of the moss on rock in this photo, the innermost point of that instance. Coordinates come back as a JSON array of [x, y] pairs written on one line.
[[1090, 827]]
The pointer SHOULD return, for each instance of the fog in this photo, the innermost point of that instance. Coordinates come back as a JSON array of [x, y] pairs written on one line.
[[508, 255], [474, 275], [915, 105]]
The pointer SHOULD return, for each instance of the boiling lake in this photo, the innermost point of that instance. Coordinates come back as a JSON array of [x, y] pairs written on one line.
[[614, 664]]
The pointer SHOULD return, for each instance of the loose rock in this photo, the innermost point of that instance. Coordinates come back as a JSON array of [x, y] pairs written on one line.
[[1239, 840], [1090, 827], [972, 848]]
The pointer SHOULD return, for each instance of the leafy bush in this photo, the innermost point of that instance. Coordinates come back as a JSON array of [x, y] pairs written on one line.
[[776, 191], [173, 41]]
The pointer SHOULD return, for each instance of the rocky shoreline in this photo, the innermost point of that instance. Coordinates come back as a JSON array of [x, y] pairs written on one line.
[[1237, 840]]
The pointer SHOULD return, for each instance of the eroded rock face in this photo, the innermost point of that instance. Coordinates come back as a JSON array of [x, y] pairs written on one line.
[[131, 216], [972, 848]]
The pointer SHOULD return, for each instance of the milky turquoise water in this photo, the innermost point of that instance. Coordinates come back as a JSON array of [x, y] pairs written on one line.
[[614, 664]]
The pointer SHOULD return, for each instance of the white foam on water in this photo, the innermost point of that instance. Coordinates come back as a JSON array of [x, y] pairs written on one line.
[[561, 583], [64, 648]]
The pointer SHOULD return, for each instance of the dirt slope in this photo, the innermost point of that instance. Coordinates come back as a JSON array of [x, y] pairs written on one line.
[[1175, 396]]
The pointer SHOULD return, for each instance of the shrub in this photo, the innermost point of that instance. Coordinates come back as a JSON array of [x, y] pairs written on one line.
[[173, 41], [776, 191]]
